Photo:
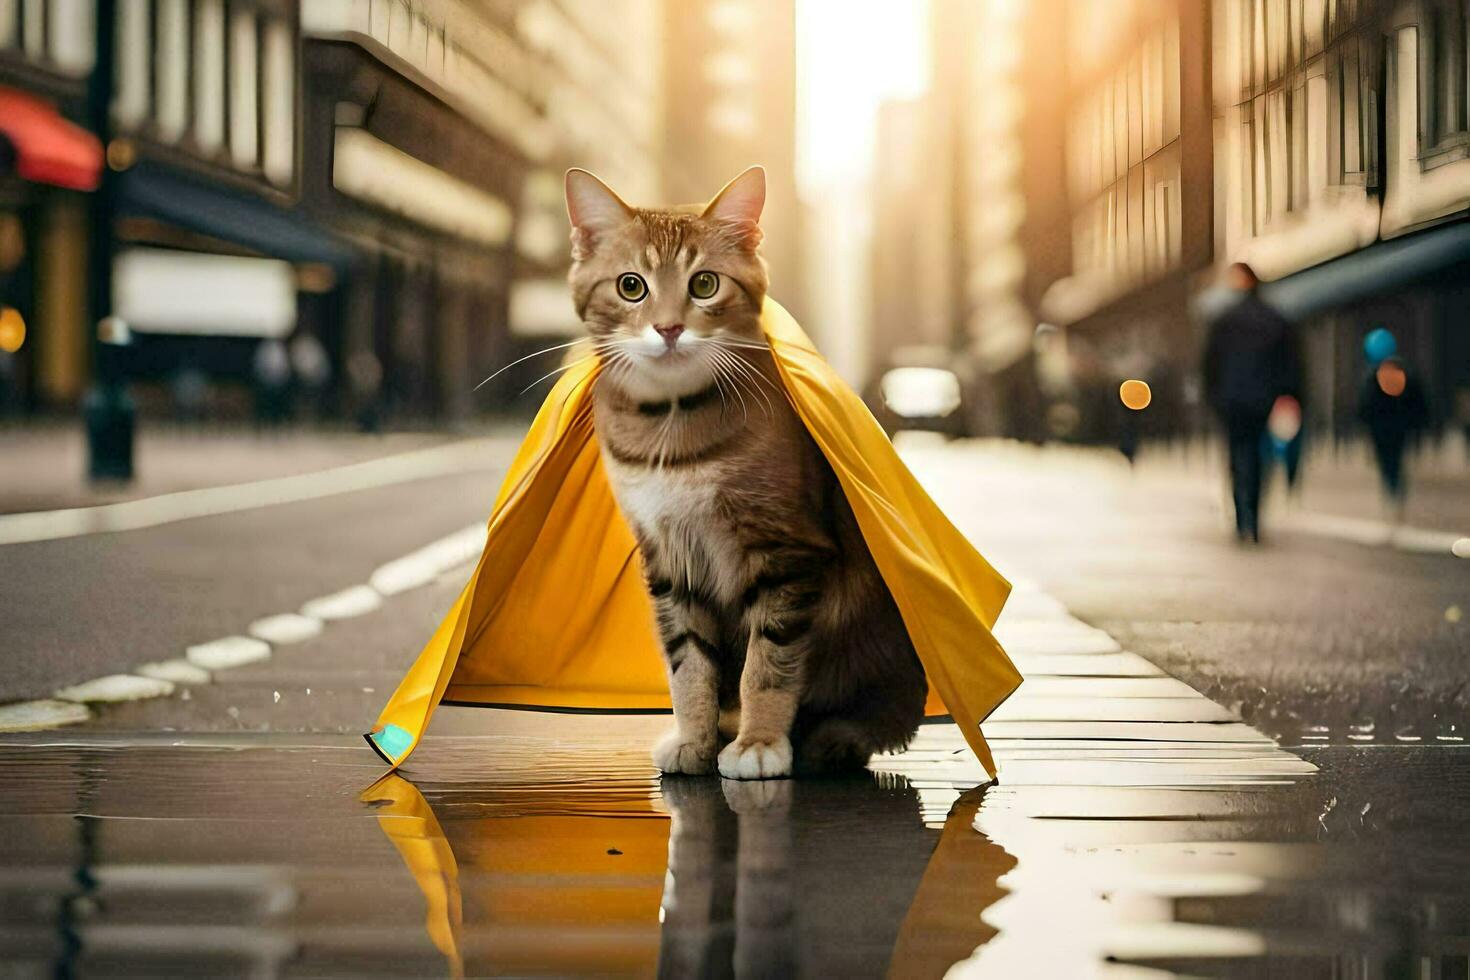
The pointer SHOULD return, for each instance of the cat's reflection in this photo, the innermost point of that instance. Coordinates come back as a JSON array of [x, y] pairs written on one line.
[[829, 877], [818, 878]]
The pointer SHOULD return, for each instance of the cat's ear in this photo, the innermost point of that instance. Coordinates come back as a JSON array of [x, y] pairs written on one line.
[[739, 204], [594, 211]]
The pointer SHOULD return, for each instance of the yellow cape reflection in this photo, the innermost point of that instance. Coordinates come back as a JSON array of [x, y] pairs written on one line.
[[827, 877], [408, 821], [559, 886]]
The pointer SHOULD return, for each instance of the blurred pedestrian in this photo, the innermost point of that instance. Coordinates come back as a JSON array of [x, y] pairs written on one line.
[[271, 379], [1393, 408], [365, 375], [189, 387], [1252, 358], [311, 368]]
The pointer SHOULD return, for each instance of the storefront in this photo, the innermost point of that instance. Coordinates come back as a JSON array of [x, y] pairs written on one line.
[[423, 198], [48, 164]]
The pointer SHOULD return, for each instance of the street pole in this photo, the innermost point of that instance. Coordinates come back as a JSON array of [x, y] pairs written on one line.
[[107, 408]]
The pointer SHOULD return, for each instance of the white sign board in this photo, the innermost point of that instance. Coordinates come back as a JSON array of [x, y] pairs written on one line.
[[158, 290]]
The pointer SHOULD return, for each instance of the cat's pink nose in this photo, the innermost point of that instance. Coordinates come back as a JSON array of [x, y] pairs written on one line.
[[670, 333]]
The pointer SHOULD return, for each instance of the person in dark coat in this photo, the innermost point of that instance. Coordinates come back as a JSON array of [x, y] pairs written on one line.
[[1252, 357], [1393, 408]]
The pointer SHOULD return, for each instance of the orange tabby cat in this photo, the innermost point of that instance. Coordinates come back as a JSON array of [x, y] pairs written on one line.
[[777, 628]]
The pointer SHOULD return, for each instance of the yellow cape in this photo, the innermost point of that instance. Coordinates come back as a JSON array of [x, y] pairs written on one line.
[[556, 616]]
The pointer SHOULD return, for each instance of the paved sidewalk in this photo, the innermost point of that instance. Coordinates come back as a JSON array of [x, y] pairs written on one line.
[[1335, 481]]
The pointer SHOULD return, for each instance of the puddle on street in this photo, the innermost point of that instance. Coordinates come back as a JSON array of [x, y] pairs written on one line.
[[1117, 857]]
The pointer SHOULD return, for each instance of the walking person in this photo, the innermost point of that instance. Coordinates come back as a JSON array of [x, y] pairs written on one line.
[[1393, 408], [1252, 358]]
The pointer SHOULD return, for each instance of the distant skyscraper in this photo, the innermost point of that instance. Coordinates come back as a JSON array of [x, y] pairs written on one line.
[[729, 102]]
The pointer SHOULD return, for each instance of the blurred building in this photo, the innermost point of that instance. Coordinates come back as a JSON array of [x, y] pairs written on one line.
[[730, 102], [948, 265], [1134, 123], [438, 136], [1087, 201], [1342, 174], [209, 254], [49, 163], [1324, 143], [366, 193], [964, 191]]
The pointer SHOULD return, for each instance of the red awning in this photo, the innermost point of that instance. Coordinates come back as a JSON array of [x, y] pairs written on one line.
[[48, 148]]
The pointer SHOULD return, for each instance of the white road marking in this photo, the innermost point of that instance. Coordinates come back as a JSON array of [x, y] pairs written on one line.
[[453, 551], [116, 687], [34, 716], [175, 671], [1380, 534], [401, 575], [355, 601], [468, 456], [285, 628], [424, 565], [227, 652]]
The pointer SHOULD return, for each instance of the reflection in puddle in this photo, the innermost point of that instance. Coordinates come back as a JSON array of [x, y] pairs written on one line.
[[773, 879], [263, 856]]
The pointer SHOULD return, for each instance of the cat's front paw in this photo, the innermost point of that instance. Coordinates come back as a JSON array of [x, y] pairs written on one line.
[[747, 758], [672, 754]]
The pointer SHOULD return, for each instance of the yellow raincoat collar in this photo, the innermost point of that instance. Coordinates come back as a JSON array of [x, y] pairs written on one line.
[[556, 617]]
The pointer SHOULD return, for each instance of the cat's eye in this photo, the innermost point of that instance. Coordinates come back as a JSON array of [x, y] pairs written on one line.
[[632, 287], [703, 285]]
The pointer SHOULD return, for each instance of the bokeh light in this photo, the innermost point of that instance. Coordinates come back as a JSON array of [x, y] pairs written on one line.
[[1135, 394], [1285, 420], [12, 330], [1391, 379], [1379, 345]]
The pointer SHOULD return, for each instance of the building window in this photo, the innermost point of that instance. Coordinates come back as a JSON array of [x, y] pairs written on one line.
[[9, 22], [56, 34], [244, 104], [279, 88], [1310, 118], [171, 69], [209, 75], [1442, 82], [1124, 161], [33, 28], [130, 99], [72, 27]]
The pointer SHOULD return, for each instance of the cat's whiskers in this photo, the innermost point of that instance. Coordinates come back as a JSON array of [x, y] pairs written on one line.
[[518, 360], [721, 379], [739, 368], [597, 348], [736, 378], [754, 347], [565, 367]]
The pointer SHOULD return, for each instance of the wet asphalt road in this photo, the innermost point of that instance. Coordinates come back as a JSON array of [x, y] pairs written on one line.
[[193, 837], [1302, 633], [78, 608]]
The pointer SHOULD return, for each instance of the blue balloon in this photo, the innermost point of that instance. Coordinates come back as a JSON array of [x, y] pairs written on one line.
[[1379, 345]]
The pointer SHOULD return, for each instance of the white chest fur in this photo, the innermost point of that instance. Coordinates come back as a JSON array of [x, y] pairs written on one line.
[[677, 509], [659, 501]]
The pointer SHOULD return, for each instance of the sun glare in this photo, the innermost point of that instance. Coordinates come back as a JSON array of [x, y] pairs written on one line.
[[851, 56]]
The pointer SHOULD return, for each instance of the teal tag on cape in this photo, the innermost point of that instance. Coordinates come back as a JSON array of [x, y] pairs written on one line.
[[393, 740]]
